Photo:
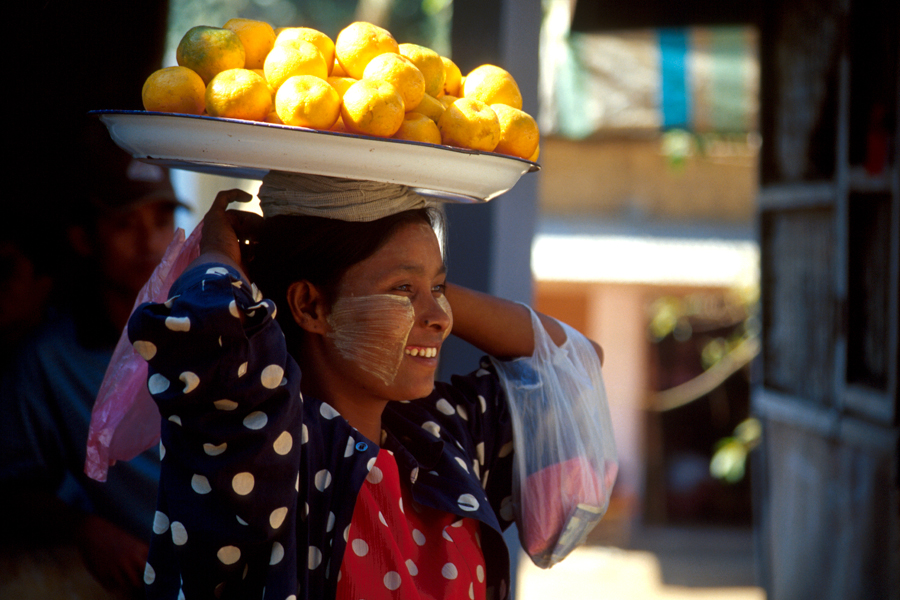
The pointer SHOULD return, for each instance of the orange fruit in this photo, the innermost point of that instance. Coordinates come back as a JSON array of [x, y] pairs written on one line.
[[429, 63], [307, 101], [401, 73], [339, 126], [238, 94], [492, 85], [447, 100], [340, 84], [418, 128], [174, 90], [518, 131], [431, 107], [360, 42], [372, 108], [452, 77], [470, 123], [298, 58], [262, 73], [257, 37], [210, 50], [290, 35], [337, 70]]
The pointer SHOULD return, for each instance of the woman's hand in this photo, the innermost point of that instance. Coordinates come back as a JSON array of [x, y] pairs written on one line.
[[224, 230]]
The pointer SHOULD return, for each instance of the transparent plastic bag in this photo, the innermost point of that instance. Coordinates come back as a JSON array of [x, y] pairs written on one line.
[[565, 454], [125, 420]]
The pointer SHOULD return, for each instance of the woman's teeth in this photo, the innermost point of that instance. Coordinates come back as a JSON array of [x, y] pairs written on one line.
[[425, 352]]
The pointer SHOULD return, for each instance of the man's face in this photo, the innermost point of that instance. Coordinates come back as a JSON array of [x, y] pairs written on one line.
[[130, 243]]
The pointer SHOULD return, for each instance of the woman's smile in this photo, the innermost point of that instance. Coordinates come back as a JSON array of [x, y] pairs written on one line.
[[421, 351]]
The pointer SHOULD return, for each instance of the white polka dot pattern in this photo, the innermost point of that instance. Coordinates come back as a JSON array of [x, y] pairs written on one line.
[[445, 407], [243, 483], [146, 350], [374, 476], [200, 484], [178, 323], [179, 534], [160, 523], [276, 519], [432, 428], [271, 376], [468, 502], [315, 558], [283, 444], [449, 571], [157, 384], [214, 450], [360, 547], [322, 480], [228, 555], [190, 381], [328, 412], [392, 580], [277, 554], [256, 420]]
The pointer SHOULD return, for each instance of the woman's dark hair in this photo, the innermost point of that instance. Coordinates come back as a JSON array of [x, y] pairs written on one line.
[[318, 250]]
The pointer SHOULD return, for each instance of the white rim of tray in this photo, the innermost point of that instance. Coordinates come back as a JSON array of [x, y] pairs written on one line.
[[250, 149]]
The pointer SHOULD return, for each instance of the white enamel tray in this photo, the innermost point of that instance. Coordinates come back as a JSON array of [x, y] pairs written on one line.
[[249, 150]]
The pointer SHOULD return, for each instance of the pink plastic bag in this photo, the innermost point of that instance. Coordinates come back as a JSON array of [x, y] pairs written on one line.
[[125, 420]]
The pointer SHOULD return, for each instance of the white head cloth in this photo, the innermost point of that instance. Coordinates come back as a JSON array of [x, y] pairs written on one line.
[[333, 197]]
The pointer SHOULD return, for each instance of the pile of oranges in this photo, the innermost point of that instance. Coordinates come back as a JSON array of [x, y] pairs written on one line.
[[363, 82]]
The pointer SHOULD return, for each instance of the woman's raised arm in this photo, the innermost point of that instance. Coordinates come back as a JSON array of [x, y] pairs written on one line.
[[499, 327]]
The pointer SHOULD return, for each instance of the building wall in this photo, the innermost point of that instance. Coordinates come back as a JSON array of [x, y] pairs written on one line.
[[634, 178]]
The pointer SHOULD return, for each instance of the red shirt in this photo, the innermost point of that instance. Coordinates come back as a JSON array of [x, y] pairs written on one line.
[[399, 549]]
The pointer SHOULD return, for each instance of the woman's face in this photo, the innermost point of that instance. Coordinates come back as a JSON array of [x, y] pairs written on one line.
[[390, 316]]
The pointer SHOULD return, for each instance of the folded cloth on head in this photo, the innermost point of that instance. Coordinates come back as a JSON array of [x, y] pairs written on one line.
[[333, 197]]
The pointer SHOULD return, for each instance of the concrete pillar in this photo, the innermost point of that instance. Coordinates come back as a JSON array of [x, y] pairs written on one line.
[[489, 245]]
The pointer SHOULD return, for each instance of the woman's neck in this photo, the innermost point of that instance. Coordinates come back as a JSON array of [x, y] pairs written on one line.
[[361, 410]]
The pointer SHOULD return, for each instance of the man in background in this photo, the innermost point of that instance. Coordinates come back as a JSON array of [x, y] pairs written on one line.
[[119, 221]]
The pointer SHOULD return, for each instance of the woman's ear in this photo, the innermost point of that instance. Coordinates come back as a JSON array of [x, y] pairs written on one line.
[[308, 307]]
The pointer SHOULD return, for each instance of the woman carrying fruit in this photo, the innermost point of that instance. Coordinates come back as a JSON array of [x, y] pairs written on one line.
[[307, 450]]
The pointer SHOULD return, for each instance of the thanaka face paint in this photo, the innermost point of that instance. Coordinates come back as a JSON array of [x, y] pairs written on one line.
[[373, 331], [445, 306]]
